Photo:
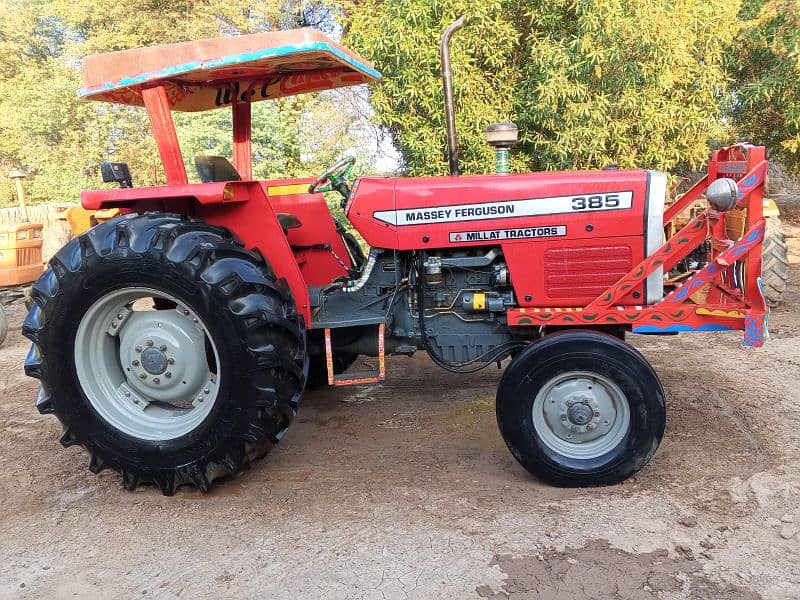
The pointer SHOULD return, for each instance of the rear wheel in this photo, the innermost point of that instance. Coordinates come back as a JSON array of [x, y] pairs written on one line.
[[774, 262], [166, 350], [580, 408]]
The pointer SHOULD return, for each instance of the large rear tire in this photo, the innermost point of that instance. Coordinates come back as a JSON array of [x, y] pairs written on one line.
[[580, 408], [774, 262], [166, 350]]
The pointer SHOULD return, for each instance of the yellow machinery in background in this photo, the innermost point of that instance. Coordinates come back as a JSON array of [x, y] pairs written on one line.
[[81, 220], [20, 251]]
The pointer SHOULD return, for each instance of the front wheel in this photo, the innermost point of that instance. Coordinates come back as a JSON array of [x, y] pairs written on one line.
[[165, 349], [581, 408]]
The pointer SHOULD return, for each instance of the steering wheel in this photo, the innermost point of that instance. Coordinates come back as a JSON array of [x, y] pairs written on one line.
[[333, 176]]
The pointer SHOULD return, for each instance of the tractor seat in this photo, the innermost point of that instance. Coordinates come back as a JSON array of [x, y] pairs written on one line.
[[212, 169], [288, 221]]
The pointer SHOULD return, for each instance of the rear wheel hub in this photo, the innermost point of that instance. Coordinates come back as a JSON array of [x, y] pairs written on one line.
[[154, 361], [152, 374]]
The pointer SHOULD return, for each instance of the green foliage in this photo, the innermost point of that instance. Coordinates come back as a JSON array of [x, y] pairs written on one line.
[[60, 140], [587, 82], [765, 64], [644, 83]]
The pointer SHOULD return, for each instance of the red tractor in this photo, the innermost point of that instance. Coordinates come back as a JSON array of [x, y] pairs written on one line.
[[175, 341]]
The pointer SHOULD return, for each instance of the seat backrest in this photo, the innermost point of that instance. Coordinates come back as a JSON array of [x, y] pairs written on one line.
[[211, 169]]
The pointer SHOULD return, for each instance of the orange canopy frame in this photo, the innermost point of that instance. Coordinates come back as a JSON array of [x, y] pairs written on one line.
[[212, 73], [206, 74]]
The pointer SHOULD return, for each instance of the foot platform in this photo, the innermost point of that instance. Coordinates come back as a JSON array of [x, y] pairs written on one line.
[[356, 378]]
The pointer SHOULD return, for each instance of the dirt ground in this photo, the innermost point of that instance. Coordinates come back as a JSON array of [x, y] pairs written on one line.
[[406, 490]]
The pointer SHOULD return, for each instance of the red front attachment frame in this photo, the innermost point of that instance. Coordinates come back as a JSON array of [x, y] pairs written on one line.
[[730, 284]]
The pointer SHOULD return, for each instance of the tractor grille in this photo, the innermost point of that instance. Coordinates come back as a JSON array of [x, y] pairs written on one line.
[[585, 271], [29, 256]]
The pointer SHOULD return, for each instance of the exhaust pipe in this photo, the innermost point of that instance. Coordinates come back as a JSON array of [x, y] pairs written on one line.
[[447, 81]]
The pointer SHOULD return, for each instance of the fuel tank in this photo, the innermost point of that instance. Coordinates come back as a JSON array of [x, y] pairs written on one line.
[[565, 236]]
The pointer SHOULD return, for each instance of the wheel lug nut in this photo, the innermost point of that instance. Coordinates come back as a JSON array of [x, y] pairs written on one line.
[[135, 363], [149, 342], [563, 417], [120, 316], [163, 348], [114, 325], [597, 413], [570, 402], [156, 380], [170, 361], [199, 398], [185, 312], [138, 348], [135, 401], [167, 374], [206, 391], [127, 394], [142, 376]]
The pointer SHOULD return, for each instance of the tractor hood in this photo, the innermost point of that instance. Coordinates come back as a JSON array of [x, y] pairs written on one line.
[[609, 220]]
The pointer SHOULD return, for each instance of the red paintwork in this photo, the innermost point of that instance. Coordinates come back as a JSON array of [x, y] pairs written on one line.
[[202, 193], [255, 223], [318, 266], [157, 105], [570, 270], [683, 309], [242, 146], [247, 211], [684, 241]]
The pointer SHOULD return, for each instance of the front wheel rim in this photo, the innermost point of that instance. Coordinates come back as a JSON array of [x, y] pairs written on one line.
[[581, 415], [151, 374]]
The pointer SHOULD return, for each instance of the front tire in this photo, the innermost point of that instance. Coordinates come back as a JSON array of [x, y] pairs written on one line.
[[166, 350], [580, 408]]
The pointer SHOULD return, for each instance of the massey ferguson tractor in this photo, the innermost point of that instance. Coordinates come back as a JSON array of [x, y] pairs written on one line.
[[174, 342]]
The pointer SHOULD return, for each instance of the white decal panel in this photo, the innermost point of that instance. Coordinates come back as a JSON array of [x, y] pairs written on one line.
[[482, 211], [517, 233]]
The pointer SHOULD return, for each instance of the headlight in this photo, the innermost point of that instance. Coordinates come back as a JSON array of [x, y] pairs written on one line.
[[722, 194]]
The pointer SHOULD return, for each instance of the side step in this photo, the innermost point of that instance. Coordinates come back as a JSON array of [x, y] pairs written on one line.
[[356, 378]]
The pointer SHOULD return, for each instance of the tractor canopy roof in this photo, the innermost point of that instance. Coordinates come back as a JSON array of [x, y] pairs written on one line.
[[211, 73]]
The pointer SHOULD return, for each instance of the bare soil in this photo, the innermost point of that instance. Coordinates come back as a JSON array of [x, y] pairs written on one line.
[[406, 490]]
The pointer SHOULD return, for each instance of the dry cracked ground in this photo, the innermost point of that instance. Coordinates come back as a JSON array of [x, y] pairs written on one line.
[[406, 490]]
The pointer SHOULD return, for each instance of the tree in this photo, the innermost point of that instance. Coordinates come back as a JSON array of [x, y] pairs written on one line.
[[60, 139], [764, 62], [587, 82]]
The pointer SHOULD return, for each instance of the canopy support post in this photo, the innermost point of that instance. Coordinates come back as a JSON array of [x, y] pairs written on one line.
[[242, 147], [158, 109]]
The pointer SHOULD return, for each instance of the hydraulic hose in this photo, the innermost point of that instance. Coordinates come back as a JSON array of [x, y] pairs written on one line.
[[355, 285]]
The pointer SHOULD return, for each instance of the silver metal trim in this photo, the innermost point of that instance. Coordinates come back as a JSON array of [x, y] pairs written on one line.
[[654, 231]]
